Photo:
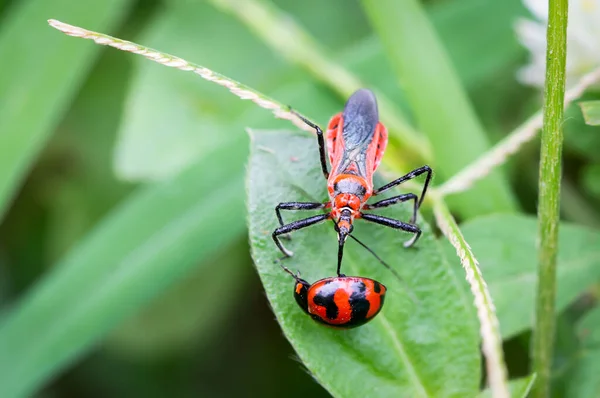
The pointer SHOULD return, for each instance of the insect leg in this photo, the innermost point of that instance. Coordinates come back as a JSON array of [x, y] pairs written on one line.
[[320, 139], [397, 199], [295, 225], [409, 176], [296, 206], [397, 224]]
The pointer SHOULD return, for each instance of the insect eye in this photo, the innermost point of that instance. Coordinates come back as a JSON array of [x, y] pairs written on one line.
[[362, 190]]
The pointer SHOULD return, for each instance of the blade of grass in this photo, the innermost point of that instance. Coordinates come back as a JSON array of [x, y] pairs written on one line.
[[526, 386], [490, 329], [281, 31], [36, 86], [496, 156], [241, 90], [440, 105], [135, 253], [549, 194]]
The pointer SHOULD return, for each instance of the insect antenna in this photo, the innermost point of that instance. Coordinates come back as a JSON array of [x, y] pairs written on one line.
[[393, 271], [386, 265], [296, 275]]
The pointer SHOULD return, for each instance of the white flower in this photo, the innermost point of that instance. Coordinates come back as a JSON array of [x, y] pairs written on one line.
[[583, 40]]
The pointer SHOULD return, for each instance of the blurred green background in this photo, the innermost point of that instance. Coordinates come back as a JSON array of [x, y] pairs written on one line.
[[88, 133]]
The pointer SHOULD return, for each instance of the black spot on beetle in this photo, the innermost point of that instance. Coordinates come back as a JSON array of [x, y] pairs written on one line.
[[331, 309], [359, 303], [360, 308], [376, 287]]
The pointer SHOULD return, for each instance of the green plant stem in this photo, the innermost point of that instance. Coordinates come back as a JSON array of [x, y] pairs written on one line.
[[549, 194], [241, 90]]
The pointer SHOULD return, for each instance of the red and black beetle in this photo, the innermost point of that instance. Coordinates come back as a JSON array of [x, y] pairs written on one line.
[[340, 302]]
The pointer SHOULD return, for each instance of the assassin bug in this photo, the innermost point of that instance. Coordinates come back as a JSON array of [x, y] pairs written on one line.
[[341, 302], [356, 141]]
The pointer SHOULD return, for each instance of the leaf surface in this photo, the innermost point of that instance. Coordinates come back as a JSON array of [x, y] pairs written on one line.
[[413, 348], [506, 249], [583, 378], [591, 112]]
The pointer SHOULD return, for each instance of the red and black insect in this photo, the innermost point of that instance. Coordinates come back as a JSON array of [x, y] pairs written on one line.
[[340, 302], [356, 141]]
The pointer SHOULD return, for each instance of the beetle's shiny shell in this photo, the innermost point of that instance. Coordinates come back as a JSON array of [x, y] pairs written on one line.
[[345, 302]]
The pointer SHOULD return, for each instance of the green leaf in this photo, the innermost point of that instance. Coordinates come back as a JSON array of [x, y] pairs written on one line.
[[580, 137], [566, 349], [519, 388], [41, 72], [154, 239], [583, 379], [506, 249], [185, 316], [591, 112], [440, 105], [427, 347]]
